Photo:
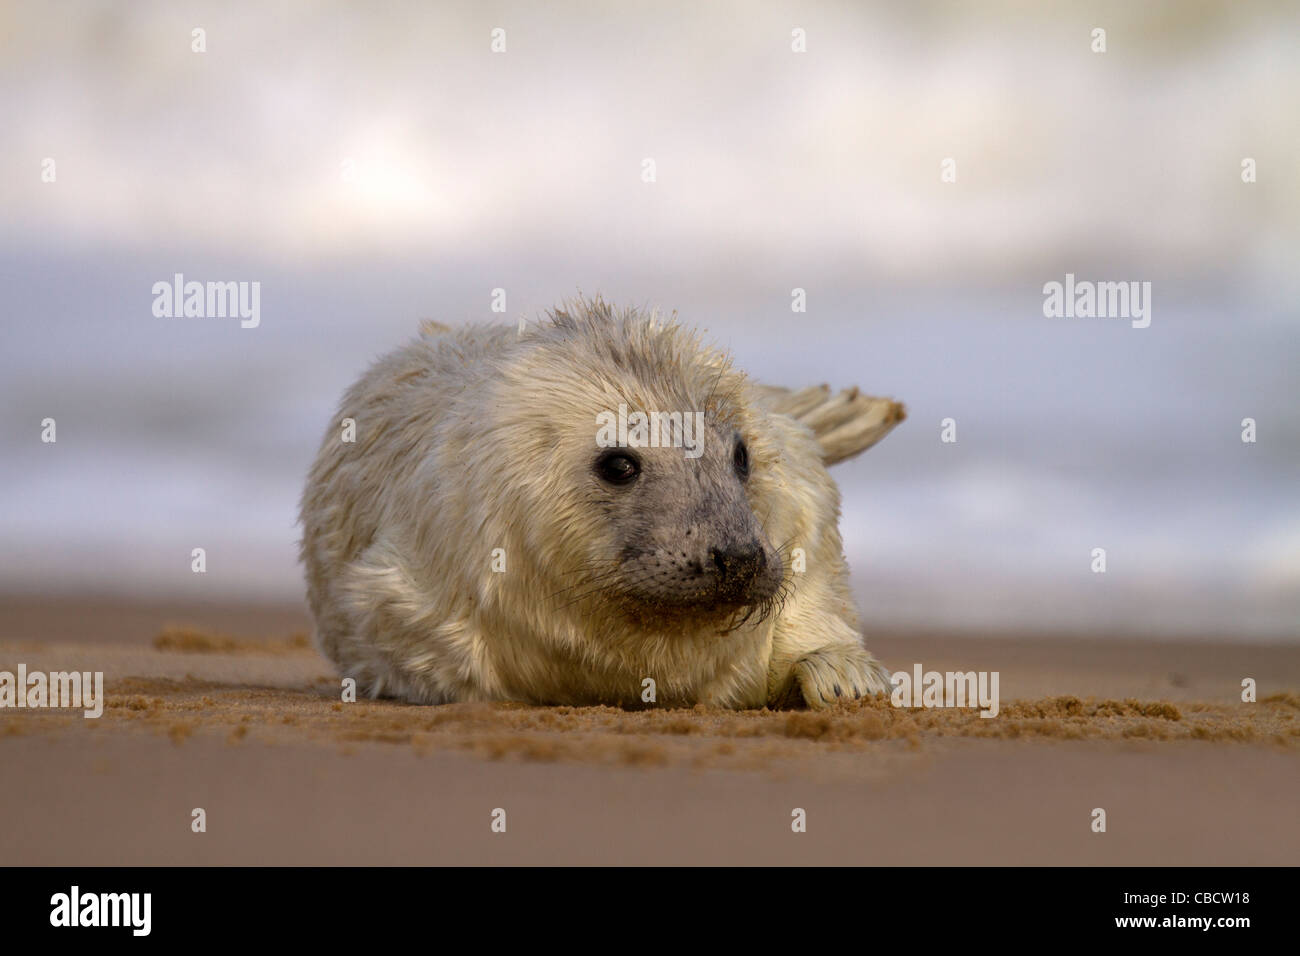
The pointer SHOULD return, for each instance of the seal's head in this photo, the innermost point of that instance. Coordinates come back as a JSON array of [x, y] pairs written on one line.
[[646, 472], [679, 521], [687, 533]]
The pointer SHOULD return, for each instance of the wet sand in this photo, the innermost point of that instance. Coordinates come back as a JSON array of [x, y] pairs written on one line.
[[230, 709]]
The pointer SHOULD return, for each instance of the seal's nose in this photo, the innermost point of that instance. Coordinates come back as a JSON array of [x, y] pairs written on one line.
[[738, 564]]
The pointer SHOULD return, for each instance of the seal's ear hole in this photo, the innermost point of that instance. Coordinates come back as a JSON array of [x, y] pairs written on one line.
[[618, 467], [740, 457]]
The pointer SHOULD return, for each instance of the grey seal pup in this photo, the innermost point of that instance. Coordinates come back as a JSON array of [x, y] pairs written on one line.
[[596, 509]]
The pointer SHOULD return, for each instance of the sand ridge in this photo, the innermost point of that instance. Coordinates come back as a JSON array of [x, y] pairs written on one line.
[[234, 712], [298, 709]]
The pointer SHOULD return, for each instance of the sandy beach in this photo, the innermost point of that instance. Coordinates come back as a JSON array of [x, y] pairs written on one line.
[[230, 709]]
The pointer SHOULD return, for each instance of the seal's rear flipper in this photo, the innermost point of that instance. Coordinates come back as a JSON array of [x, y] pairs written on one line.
[[846, 424]]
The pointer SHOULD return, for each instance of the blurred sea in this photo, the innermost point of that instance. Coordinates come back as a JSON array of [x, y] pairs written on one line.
[[372, 167]]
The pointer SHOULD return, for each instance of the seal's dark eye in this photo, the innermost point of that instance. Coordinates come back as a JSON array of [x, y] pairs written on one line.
[[618, 468], [741, 458]]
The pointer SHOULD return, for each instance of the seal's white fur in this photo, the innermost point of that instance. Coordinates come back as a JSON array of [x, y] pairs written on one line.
[[482, 438]]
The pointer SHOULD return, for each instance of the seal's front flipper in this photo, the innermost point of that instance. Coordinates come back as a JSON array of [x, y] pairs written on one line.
[[846, 423], [835, 673]]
